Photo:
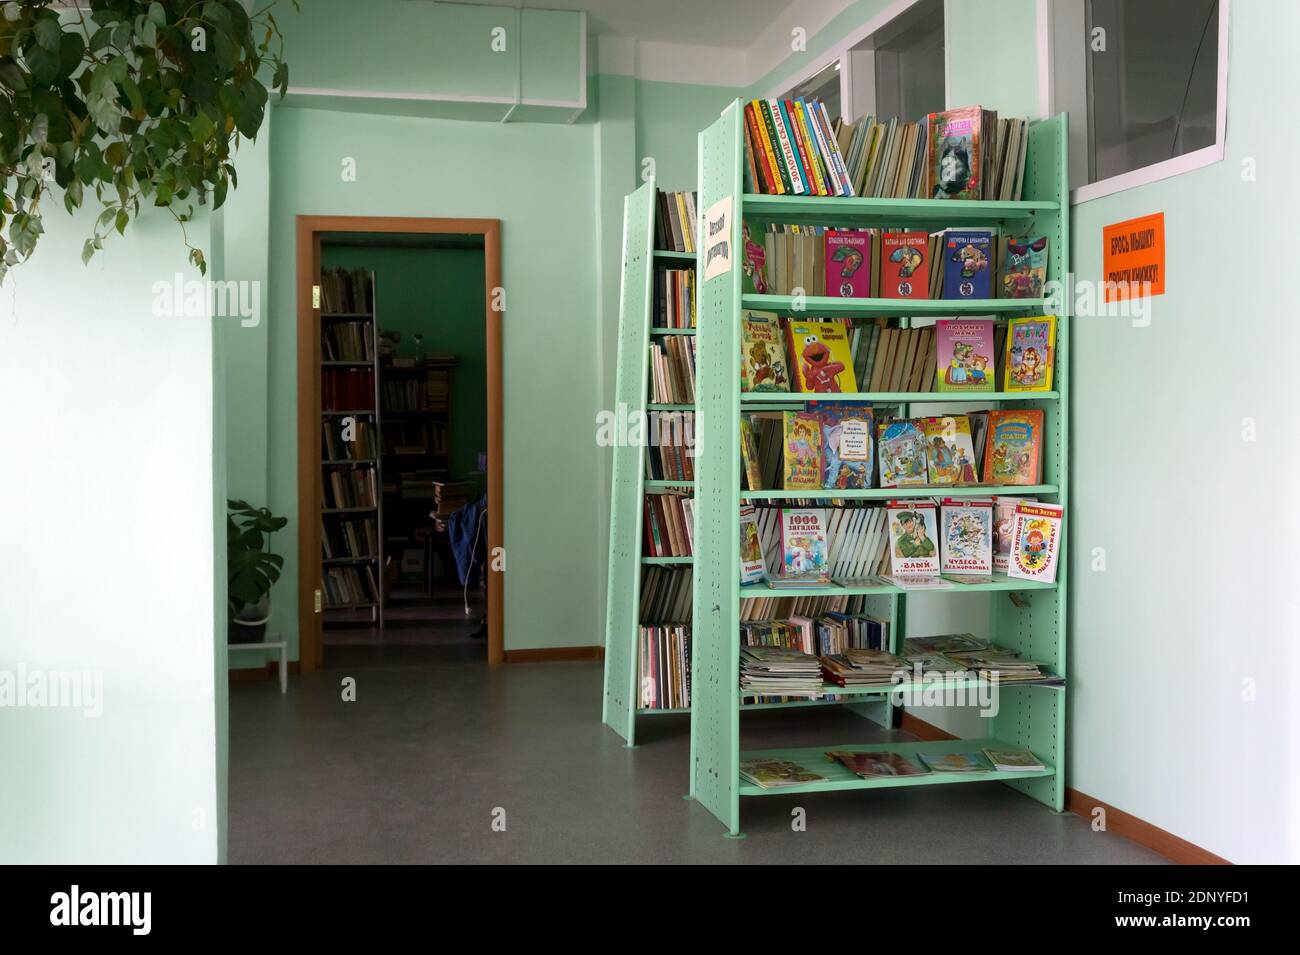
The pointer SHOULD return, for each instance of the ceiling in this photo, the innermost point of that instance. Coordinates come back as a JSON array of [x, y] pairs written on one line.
[[718, 23]]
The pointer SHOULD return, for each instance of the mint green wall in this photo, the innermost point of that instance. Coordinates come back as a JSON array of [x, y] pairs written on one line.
[[992, 60], [438, 293], [669, 117], [537, 180]]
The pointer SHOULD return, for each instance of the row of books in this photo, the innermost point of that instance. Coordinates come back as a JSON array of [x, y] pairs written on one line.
[[953, 264], [669, 526], [963, 153], [670, 446], [406, 437], [347, 389], [664, 667], [412, 394], [349, 537], [886, 764], [349, 487], [354, 442], [346, 586], [674, 304], [672, 370], [832, 632], [833, 355], [964, 539], [347, 292], [675, 221], [348, 341], [795, 604], [790, 148], [665, 595]]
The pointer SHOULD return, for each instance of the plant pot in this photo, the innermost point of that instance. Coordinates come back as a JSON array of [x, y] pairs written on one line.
[[249, 625]]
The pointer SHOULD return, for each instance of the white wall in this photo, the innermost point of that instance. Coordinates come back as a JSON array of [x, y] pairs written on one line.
[[107, 562]]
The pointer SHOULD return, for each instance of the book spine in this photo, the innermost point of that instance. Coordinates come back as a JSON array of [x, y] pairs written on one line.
[[821, 157], [761, 152], [784, 132], [773, 140], [837, 158], [807, 148]]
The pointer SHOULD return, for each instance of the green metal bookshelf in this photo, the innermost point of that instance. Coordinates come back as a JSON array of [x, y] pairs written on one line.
[[623, 601], [1025, 616]]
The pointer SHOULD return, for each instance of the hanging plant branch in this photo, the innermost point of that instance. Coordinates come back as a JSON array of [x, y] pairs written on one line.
[[133, 102]]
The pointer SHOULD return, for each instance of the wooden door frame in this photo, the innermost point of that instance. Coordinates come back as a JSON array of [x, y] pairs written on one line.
[[309, 232]]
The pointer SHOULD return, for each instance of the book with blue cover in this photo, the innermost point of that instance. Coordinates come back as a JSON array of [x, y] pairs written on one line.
[[968, 264]]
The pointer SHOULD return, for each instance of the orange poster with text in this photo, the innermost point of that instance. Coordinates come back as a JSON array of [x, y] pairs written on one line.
[[1133, 257]]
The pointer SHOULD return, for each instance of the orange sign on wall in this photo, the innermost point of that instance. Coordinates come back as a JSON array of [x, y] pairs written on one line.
[[1133, 257]]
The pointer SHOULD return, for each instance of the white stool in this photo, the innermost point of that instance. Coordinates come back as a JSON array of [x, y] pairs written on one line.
[[281, 645]]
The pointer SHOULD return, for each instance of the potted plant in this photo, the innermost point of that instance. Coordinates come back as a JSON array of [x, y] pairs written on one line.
[[251, 569]]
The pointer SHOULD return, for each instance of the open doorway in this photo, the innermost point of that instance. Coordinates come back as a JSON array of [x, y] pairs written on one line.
[[400, 475]]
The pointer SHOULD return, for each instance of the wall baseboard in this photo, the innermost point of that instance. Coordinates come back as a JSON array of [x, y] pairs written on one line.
[[550, 654], [1118, 822], [257, 674]]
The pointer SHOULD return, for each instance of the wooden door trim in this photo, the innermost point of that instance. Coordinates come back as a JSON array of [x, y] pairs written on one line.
[[309, 231]]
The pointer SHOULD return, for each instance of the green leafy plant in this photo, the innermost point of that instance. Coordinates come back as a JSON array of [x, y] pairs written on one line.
[[133, 101], [251, 568]]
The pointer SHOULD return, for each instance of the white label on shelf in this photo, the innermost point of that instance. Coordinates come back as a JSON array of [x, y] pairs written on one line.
[[717, 239]]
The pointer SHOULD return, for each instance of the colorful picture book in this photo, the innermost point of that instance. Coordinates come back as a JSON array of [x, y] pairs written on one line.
[[749, 454], [1024, 267], [752, 569], [968, 264], [956, 762], [848, 264], [753, 264], [803, 451], [966, 536], [876, 765], [776, 773], [1013, 760], [848, 443], [949, 451], [1004, 519], [958, 158], [904, 266], [901, 446], [1014, 450], [762, 353], [1035, 541], [803, 544], [965, 352], [913, 538], [790, 149], [821, 361], [1031, 353]]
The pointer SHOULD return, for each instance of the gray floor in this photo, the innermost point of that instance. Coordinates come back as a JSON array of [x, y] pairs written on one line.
[[437, 741]]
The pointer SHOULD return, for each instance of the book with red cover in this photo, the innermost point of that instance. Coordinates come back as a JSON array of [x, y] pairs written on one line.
[[904, 269], [848, 264]]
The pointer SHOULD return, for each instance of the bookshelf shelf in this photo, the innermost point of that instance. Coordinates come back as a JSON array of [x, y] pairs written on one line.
[[661, 406], [672, 331], [348, 510], [897, 493], [349, 560], [651, 484], [667, 561], [839, 777], [343, 463], [1027, 617], [341, 414], [677, 256], [821, 305]]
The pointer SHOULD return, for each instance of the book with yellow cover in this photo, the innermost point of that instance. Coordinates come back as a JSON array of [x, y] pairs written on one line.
[[803, 451], [821, 360], [1030, 353], [762, 353]]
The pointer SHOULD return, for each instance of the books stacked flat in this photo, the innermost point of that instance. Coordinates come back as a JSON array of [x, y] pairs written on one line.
[[1000, 665], [859, 667], [451, 496], [776, 773], [779, 671]]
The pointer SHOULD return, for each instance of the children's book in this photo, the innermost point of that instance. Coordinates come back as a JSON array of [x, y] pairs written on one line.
[[1004, 519], [749, 454], [949, 451], [848, 264], [1035, 541], [803, 451], [968, 264], [752, 570], [754, 274], [901, 445], [1014, 452], [762, 355], [966, 536], [956, 762], [955, 160], [919, 581], [1024, 267], [876, 765], [1013, 760], [966, 354], [776, 773], [821, 361], [848, 443], [913, 538], [1031, 353], [803, 544], [904, 269]]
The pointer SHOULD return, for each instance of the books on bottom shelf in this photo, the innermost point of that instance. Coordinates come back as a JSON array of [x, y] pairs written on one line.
[[664, 667], [770, 773], [346, 586]]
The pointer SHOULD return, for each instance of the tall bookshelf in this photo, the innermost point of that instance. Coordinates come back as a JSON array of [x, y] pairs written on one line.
[[1025, 616], [331, 517], [630, 485]]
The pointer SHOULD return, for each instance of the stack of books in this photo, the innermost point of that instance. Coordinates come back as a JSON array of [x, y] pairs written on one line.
[[859, 667], [779, 671], [451, 496]]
